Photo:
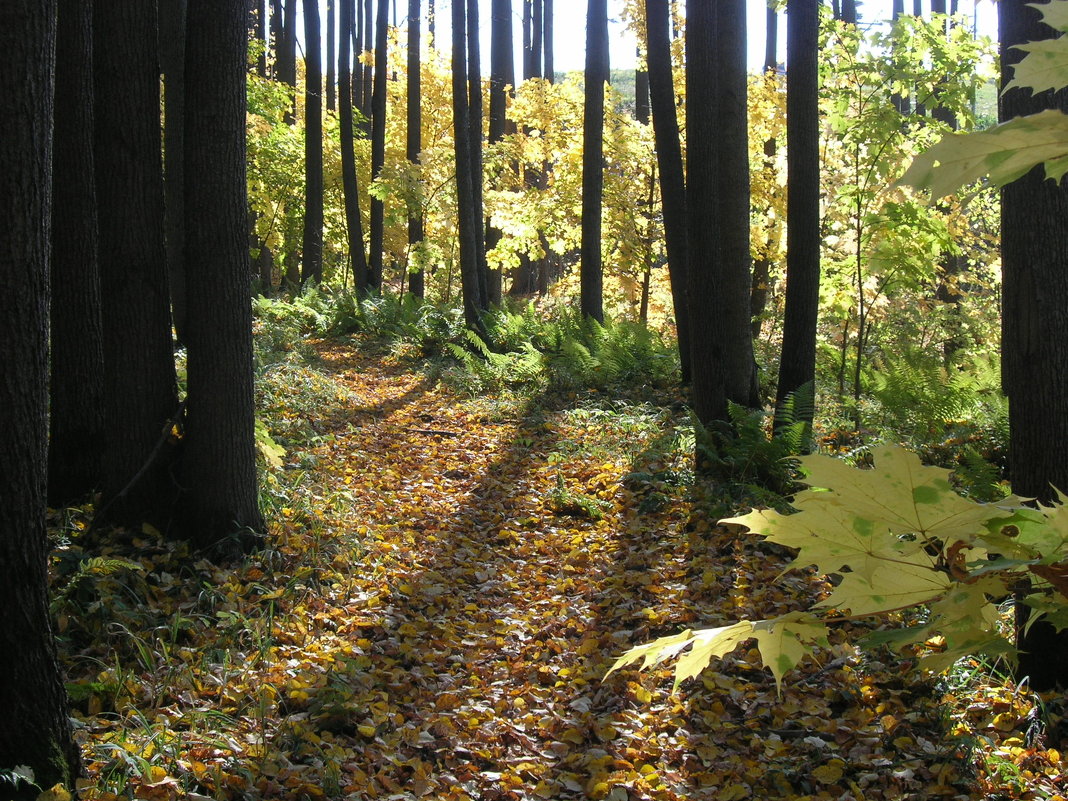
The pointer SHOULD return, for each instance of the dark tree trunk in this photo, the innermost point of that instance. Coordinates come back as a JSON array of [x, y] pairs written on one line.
[[140, 388], [414, 143], [528, 34], [474, 107], [172, 24], [368, 72], [849, 11], [353, 218], [641, 93], [536, 32], [276, 36], [468, 221], [358, 48], [917, 8], [547, 40], [219, 502], [287, 57], [591, 275], [331, 77], [37, 731], [797, 366], [312, 259], [502, 77], [758, 295], [669, 162], [1034, 255], [378, 147], [76, 422], [900, 102], [717, 201]]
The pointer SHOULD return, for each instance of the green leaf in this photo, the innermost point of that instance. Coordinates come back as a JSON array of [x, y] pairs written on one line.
[[1003, 153], [1044, 67], [1054, 14], [785, 640], [895, 586]]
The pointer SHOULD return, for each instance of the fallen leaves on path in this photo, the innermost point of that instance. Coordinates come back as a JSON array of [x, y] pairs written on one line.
[[428, 622]]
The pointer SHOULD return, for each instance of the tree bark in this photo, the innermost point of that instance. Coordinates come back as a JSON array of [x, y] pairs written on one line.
[[596, 76], [502, 81], [350, 185], [1034, 254], [416, 278], [378, 147], [548, 61], [36, 731], [76, 423], [140, 385], [467, 220], [219, 508], [669, 163], [172, 24], [797, 366], [312, 264], [259, 31], [287, 57], [331, 76], [474, 105], [717, 201]]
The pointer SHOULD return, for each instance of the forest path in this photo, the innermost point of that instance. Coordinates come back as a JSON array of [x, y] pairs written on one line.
[[453, 624]]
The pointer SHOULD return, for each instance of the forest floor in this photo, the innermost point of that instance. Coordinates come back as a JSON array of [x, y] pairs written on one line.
[[445, 584]]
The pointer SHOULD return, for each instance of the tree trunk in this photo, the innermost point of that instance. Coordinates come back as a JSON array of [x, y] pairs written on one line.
[[276, 36], [797, 367], [591, 269], [467, 220], [312, 258], [259, 32], [172, 24], [849, 11], [287, 58], [547, 40], [76, 424], [140, 387], [36, 731], [474, 106], [218, 507], [378, 147], [331, 77], [528, 34], [1034, 254], [717, 200], [416, 278], [502, 79], [641, 93], [669, 162], [353, 217]]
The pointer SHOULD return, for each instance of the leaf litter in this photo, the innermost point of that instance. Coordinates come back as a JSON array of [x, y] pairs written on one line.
[[428, 621]]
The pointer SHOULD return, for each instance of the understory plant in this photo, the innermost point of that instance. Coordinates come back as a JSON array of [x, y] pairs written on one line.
[[894, 537]]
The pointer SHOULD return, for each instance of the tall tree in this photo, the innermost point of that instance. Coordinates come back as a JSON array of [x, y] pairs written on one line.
[[1034, 256], [140, 386], [717, 202], [596, 76], [353, 217], [367, 91], [467, 220], [276, 35], [287, 56], [76, 421], [797, 366], [548, 60], [312, 262], [474, 106], [36, 730], [849, 11], [331, 77], [378, 146], [218, 469], [502, 78], [172, 23], [414, 142], [669, 163]]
